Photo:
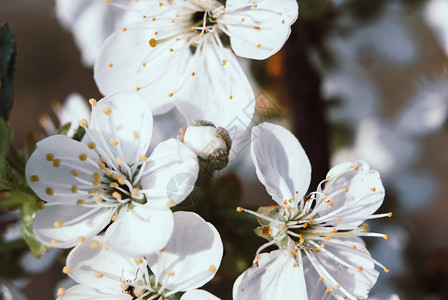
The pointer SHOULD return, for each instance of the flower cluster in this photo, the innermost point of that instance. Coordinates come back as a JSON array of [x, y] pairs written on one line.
[[108, 190]]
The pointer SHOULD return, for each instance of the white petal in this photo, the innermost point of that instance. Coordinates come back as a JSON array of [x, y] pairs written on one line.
[[140, 230], [280, 161], [259, 30], [191, 257], [219, 91], [354, 191], [357, 283], [170, 174], [166, 126], [198, 295], [82, 292], [93, 265], [91, 22], [88, 223], [276, 276], [54, 184], [384, 297], [129, 123], [127, 61], [73, 109]]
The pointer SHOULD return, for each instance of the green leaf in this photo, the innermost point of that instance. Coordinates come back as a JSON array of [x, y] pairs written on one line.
[[27, 215], [5, 140], [64, 129], [79, 133], [7, 60]]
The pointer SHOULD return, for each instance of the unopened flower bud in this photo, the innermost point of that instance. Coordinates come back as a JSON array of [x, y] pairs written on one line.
[[211, 145]]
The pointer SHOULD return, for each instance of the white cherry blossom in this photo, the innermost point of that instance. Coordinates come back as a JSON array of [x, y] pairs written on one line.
[[190, 259], [174, 51], [107, 177], [317, 234]]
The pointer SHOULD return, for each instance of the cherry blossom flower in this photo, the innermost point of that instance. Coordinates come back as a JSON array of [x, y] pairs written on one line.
[[108, 177], [189, 260], [317, 234], [175, 53]]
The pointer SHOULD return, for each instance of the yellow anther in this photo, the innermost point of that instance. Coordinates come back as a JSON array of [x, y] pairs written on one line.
[[137, 89], [74, 188], [49, 191], [386, 237], [96, 175], [92, 101], [96, 182], [80, 239], [94, 244], [322, 244], [170, 203], [106, 247], [193, 74], [337, 219], [355, 169], [135, 192], [255, 5], [305, 225], [99, 275], [92, 145], [50, 156], [144, 65], [116, 195], [56, 163], [170, 273], [328, 289], [80, 202], [66, 270], [353, 246], [136, 135], [107, 110], [74, 172], [138, 260], [153, 42], [100, 191], [242, 19], [334, 229], [171, 49], [345, 190], [83, 156], [83, 123], [108, 171], [321, 278], [113, 185], [113, 142], [102, 166], [231, 97], [61, 291], [114, 217], [239, 209], [295, 265], [57, 224], [224, 62], [170, 95], [328, 238], [387, 270], [34, 178], [259, 45], [119, 161], [97, 199], [212, 269], [360, 269], [153, 19], [111, 65], [124, 29], [91, 191], [373, 189], [143, 158], [53, 242], [103, 159], [389, 214], [41, 205], [194, 44]]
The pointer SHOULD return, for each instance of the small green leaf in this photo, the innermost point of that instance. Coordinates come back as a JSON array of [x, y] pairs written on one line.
[[27, 215], [64, 129], [7, 60], [79, 133], [5, 135]]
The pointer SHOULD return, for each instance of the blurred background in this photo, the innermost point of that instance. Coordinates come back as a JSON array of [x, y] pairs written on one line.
[[357, 80]]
